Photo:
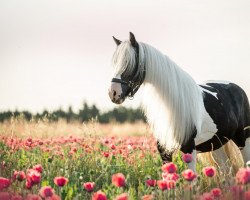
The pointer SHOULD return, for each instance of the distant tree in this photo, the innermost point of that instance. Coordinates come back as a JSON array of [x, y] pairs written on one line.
[[86, 113]]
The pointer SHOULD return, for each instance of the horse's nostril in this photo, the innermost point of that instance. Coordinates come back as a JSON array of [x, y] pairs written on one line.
[[114, 93]]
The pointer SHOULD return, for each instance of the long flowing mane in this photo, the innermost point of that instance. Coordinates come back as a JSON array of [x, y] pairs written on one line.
[[172, 100]]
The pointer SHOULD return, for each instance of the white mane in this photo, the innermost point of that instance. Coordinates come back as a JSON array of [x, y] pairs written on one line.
[[172, 100]]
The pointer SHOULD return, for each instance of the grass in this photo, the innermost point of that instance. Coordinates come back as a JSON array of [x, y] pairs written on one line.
[[77, 152]]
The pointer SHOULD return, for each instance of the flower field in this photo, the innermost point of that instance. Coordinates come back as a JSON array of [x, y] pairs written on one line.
[[100, 167]]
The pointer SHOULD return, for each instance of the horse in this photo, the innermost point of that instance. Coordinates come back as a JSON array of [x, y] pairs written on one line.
[[183, 115]]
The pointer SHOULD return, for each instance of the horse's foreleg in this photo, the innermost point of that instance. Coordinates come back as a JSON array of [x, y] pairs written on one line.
[[165, 156], [192, 164]]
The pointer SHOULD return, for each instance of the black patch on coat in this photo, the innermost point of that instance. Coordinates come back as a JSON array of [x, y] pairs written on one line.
[[230, 112]]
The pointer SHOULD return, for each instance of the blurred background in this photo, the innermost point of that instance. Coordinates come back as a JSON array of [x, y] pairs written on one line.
[[55, 55]]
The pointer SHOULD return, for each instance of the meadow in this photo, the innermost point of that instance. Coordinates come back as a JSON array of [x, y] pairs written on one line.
[[44, 160]]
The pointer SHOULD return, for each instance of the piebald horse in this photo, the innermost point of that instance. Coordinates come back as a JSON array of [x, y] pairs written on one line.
[[182, 114]]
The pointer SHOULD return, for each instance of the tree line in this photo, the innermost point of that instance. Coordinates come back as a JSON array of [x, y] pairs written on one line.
[[85, 114]]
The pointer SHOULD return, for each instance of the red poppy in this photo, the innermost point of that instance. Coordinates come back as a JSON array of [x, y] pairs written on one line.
[[151, 183], [118, 180], [189, 175], [167, 176], [4, 183], [99, 196], [243, 176], [32, 197], [162, 184], [209, 171], [123, 196], [148, 197], [187, 158], [19, 175], [216, 192], [169, 168], [60, 181], [33, 176], [38, 168], [46, 191], [89, 186]]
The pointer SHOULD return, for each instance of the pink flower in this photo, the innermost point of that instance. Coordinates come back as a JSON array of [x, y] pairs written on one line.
[[60, 181], [16, 197], [118, 180], [38, 168], [89, 186], [32, 197], [4, 183], [19, 175], [151, 183], [33, 176], [162, 184], [187, 158], [123, 196], [247, 195], [148, 197], [236, 190], [46, 191], [167, 176], [169, 167], [189, 175], [216, 192], [5, 196], [206, 196], [53, 197], [171, 184], [243, 176], [209, 171], [105, 154], [99, 196]]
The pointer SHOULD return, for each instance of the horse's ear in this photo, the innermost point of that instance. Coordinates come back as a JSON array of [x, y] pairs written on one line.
[[118, 42], [132, 40]]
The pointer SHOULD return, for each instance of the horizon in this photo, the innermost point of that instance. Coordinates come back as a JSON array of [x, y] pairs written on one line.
[[56, 54]]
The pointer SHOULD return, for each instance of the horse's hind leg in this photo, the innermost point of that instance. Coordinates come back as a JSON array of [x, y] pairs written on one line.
[[246, 151]]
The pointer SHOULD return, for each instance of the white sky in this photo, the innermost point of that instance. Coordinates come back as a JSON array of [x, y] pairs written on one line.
[[57, 53]]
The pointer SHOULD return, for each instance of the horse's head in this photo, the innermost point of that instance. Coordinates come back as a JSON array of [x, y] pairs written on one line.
[[129, 73]]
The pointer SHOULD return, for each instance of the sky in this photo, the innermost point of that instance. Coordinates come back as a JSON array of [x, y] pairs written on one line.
[[56, 53]]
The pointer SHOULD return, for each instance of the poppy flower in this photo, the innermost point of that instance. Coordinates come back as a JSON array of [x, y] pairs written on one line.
[[123, 196], [187, 158], [38, 168], [209, 171], [162, 184], [169, 168], [148, 197], [19, 175], [118, 180], [60, 181], [4, 183], [33, 176], [189, 175], [167, 176], [99, 196], [151, 183], [243, 176], [46, 191], [216, 192], [32, 197], [89, 186]]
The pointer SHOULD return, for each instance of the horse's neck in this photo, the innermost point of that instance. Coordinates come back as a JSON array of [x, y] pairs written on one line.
[[172, 99]]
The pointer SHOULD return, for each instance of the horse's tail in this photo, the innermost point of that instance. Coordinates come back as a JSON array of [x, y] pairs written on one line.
[[227, 159]]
